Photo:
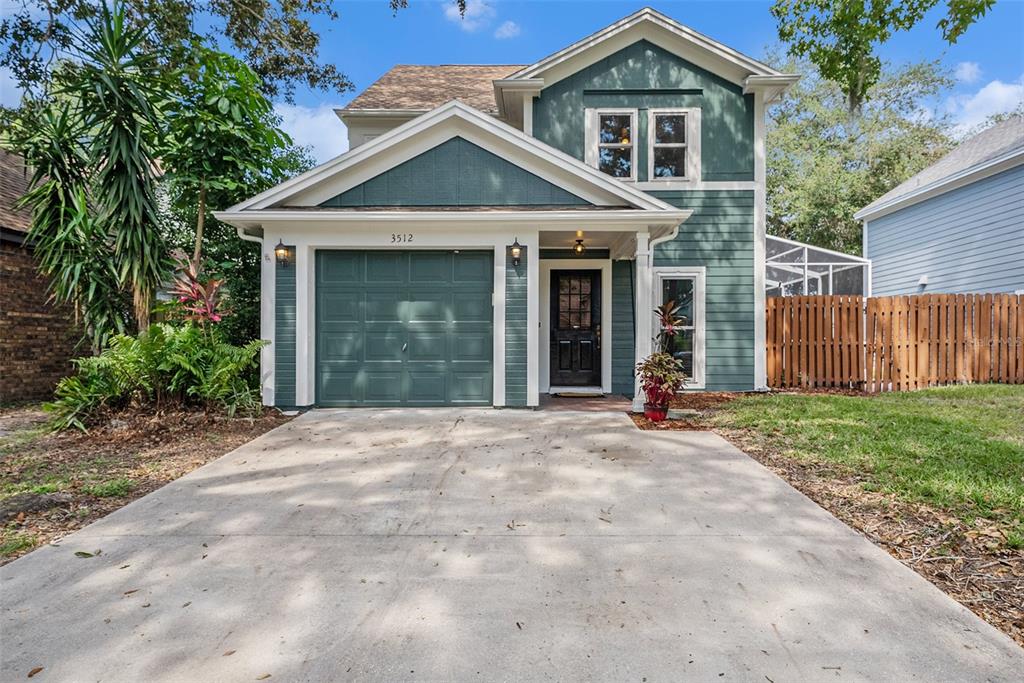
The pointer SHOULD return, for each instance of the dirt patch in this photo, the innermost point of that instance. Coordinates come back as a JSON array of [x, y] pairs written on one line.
[[704, 400], [967, 560], [706, 403], [89, 475], [688, 425]]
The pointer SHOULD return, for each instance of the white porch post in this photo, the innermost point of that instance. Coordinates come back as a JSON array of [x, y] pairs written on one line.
[[644, 291]]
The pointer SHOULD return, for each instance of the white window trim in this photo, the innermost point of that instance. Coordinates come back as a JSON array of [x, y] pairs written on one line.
[[593, 117], [692, 176], [699, 275]]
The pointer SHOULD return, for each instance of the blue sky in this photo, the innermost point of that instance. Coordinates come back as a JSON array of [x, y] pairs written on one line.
[[367, 40]]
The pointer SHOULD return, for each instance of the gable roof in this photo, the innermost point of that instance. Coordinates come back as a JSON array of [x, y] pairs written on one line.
[[655, 22], [14, 177], [988, 152], [421, 87], [423, 132]]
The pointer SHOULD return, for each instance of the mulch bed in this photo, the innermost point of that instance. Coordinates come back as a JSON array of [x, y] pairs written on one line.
[[969, 562], [149, 450]]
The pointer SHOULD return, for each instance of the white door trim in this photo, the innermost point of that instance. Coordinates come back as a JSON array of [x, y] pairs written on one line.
[[544, 302]]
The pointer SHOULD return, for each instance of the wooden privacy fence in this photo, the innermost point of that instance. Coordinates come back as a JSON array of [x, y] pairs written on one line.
[[895, 343]]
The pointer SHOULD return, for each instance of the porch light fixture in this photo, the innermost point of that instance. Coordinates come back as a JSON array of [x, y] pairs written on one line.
[[579, 249], [281, 253], [516, 251]]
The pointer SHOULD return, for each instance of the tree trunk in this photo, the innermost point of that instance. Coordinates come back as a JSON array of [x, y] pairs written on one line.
[[141, 300], [200, 222]]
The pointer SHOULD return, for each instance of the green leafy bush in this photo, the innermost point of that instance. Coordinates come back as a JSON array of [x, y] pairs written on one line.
[[169, 364]]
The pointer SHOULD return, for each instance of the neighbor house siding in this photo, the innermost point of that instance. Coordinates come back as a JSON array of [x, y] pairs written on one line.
[[515, 331], [284, 332], [720, 236], [456, 173], [643, 76], [970, 239], [623, 330]]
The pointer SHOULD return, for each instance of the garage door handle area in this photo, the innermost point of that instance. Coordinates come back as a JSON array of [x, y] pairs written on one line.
[[405, 346]]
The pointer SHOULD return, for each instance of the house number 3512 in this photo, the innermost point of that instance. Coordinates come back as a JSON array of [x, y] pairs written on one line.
[[401, 237]]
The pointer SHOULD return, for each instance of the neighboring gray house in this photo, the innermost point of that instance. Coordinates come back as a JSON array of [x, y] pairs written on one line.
[[497, 233], [958, 225]]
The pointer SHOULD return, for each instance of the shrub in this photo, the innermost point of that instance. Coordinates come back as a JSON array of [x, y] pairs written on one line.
[[169, 364]]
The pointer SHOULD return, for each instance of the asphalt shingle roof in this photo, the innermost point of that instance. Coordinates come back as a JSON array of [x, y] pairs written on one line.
[[413, 86], [1000, 139]]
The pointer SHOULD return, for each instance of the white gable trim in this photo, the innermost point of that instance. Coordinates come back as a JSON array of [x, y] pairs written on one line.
[[427, 131], [657, 28]]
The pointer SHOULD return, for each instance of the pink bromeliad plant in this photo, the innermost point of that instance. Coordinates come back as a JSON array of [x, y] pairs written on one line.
[[661, 375], [198, 298]]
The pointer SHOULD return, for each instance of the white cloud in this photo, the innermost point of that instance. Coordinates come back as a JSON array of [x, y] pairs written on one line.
[[967, 72], [995, 97], [478, 14], [508, 29], [316, 127]]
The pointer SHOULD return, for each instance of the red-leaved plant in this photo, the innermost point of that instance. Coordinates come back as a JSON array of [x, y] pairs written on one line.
[[198, 298], [661, 375]]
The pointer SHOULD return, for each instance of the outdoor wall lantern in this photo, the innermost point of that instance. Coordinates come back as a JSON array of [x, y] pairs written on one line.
[[281, 253], [579, 249], [516, 251]]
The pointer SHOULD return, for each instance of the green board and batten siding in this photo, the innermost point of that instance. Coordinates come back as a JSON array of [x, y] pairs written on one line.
[[720, 233], [284, 332], [456, 173], [516, 348], [720, 236], [643, 76]]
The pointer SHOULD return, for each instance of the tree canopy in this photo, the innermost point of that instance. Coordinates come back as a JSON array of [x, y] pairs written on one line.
[[823, 166], [840, 36]]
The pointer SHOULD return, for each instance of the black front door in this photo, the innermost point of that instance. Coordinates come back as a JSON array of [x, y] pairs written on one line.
[[576, 328]]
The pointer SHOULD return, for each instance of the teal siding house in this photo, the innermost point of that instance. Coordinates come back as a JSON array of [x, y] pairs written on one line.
[[500, 232]]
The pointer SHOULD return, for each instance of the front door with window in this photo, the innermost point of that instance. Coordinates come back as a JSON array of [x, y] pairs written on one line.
[[576, 328]]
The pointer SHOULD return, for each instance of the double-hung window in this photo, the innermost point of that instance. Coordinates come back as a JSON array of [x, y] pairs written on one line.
[[611, 142], [673, 145], [685, 288]]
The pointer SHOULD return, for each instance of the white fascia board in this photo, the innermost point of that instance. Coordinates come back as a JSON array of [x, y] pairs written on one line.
[[720, 59], [475, 120], [508, 93], [772, 87], [593, 220], [970, 175]]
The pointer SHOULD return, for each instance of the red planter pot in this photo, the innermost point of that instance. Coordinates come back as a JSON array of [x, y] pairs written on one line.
[[655, 413]]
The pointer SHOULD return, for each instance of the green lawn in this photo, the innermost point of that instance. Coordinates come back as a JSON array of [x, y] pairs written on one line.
[[960, 449]]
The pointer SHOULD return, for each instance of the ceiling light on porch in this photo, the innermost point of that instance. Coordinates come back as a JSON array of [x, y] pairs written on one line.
[[515, 251], [579, 249]]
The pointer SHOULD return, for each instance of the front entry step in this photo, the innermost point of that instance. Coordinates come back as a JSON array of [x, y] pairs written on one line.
[[576, 392]]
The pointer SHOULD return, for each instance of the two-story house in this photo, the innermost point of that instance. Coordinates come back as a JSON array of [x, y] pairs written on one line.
[[499, 232]]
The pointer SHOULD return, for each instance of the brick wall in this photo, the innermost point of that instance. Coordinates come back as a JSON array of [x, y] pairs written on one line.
[[37, 340]]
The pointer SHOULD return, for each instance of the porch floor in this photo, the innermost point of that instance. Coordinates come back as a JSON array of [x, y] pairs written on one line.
[[590, 404]]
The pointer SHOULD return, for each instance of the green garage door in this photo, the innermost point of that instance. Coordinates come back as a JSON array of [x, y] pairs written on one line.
[[404, 328]]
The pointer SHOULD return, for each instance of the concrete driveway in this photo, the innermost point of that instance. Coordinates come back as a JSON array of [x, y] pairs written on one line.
[[483, 545]]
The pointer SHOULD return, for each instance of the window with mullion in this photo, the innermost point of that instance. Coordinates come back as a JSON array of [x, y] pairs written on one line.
[[668, 145], [616, 144], [681, 292]]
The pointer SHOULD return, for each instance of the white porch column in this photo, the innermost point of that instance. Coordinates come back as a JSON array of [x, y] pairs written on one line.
[[532, 242], [305, 307], [644, 292]]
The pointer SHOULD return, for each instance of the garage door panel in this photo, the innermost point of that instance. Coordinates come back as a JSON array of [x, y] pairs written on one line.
[[472, 346], [384, 346], [386, 267], [474, 267], [415, 329], [345, 267], [430, 267], [470, 386], [428, 387], [473, 307], [383, 306], [341, 345]]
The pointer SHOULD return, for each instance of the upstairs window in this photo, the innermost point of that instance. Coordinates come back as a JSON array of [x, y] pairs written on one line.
[[674, 145], [611, 142]]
